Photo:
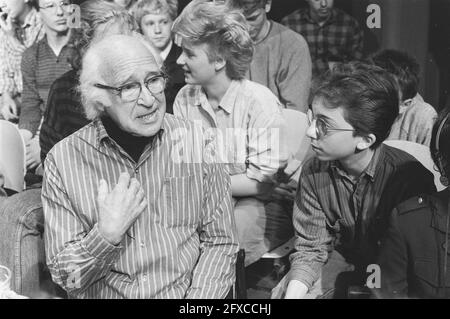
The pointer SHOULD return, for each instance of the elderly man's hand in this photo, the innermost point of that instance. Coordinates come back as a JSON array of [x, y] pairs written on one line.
[[119, 208]]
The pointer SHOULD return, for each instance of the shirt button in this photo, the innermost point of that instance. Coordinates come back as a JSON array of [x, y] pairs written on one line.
[[144, 278], [142, 244]]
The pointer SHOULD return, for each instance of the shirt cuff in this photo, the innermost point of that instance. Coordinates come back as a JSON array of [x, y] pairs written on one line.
[[96, 245], [302, 274]]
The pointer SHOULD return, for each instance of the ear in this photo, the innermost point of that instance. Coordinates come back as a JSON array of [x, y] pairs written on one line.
[[268, 6], [366, 142], [220, 63]]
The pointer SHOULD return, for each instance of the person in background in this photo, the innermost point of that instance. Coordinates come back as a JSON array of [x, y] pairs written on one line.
[[20, 28], [64, 113], [244, 116], [155, 18], [414, 253], [43, 63], [332, 35], [281, 60], [416, 117], [347, 191]]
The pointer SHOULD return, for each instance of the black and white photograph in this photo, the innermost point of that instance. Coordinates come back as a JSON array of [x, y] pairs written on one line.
[[234, 152]]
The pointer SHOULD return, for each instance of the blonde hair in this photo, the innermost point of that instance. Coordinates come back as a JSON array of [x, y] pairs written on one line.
[[143, 7], [225, 32]]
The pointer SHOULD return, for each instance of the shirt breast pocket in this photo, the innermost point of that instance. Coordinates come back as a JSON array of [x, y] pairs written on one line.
[[183, 203]]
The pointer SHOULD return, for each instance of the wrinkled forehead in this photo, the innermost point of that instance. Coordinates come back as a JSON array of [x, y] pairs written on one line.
[[119, 67]]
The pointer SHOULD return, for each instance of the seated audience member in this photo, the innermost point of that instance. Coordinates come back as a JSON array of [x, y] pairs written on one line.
[[106, 220], [414, 254], [42, 64], [64, 113], [331, 34], [217, 51], [416, 117], [281, 60], [347, 191], [155, 18], [20, 28]]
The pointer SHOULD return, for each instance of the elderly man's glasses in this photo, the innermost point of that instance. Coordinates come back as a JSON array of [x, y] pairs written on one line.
[[322, 128], [65, 5], [130, 92]]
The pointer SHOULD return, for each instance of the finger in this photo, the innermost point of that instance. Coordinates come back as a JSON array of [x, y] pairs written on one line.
[[134, 187], [123, 182], [103, 191], [140, 196], [141, 207]]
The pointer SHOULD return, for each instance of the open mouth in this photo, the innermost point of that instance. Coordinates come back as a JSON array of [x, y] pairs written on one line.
[[148, 117]]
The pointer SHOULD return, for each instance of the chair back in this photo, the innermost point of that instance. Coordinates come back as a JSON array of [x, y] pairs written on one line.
[[12, 156], [422, 154]]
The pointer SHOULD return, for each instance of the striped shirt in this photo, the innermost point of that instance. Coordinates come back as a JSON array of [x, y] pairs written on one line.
[[40, 67], [247, 122], [183, 246], [340, 39], [11, 51], [332, 211]]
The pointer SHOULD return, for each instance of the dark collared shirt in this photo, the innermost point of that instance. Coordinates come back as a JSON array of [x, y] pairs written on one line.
[[340, 39], [40, 67], [333, 211], [183, 245]]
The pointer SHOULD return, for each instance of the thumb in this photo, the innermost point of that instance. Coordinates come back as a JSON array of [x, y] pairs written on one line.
[[103, 190]]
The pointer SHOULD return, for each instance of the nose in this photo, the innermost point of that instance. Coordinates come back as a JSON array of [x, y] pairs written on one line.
[[311, 131], [323, 3], [157, 28], [59, 10], [180, 60], [146, 98]]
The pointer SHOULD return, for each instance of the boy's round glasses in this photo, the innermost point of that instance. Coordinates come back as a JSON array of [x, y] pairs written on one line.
[[321, 127]]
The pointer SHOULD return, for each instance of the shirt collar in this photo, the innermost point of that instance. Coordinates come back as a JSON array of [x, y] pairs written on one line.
[[228, 100], [165, 53], [370, 170], [102, 134]]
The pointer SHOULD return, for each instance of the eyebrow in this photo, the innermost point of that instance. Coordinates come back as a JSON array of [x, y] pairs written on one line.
[[325, 118]]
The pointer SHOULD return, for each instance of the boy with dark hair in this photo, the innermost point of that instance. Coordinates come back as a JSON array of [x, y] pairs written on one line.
[[416, 117], [346, 191], [281, 60]]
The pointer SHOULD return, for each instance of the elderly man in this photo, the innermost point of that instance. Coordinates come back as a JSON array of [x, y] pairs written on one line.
[[125, 217]]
